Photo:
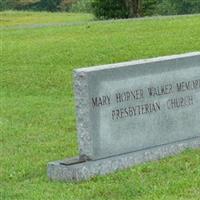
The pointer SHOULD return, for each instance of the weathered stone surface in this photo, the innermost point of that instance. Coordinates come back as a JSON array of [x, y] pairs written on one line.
[[133, 112], [64, 171], [137, 105]]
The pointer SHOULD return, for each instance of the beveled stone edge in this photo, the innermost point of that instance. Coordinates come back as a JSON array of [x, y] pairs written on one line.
[[136, 62], [83, 115], [86, 170], [81, 90]]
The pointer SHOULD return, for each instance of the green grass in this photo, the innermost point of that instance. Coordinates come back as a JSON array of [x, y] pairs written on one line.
[[37, 115], [14, 18]]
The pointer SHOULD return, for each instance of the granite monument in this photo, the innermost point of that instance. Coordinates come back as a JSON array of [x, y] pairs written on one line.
[[133, 112]]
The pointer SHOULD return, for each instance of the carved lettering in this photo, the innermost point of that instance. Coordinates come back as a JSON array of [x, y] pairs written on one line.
[[160, 90], [135, 110], [100, 101], [189, 85], [129, 95], [120, 98], [180, 102]]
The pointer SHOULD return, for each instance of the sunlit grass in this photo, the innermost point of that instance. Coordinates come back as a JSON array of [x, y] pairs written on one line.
[[15, 18], [37, 114]]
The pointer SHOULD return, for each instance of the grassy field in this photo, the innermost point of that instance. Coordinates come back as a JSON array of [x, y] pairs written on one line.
[[13, 18], [37, 115]]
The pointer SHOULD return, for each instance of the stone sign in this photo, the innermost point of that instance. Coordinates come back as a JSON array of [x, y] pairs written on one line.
[[132, 112]]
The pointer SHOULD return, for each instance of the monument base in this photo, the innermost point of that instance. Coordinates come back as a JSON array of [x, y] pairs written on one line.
[[75, 170]]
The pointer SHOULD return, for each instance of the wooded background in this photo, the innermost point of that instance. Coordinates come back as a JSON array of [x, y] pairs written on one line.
[[108, 8]]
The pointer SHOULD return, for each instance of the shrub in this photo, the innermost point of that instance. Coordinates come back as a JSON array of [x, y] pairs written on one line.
[[49, 5], [82, 6], [121, 8], [186, 6], [149, 7], [105, 9]]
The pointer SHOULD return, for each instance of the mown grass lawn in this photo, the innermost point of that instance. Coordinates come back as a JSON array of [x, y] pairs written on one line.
[[13, 18], [37, 115]]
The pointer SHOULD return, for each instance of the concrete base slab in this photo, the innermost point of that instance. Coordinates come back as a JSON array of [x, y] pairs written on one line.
[[75, 170]]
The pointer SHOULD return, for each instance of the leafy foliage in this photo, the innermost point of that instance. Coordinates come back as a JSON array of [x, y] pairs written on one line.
[[81, 6], [149, 7], [50, 5], [16, 4], [186, 6], [110, 9], [171, 7], [125, 8]]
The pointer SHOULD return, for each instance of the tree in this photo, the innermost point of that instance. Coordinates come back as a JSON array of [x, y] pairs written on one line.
[[134, 7], [177, 7], [50, 5], [139, 8], [186, 6], [118, 8], [65, 5], [107, 9]]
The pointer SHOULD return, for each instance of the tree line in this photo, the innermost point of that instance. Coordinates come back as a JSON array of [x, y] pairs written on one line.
[[139, 8], [106, 9], [37, 5]]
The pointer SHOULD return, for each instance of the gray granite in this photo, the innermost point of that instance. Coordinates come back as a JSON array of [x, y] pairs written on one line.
[[136, 105], [133, 112], [83, 114], [66, 171]]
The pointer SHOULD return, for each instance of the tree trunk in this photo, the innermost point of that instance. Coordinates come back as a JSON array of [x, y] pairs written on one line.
[[135, 7]]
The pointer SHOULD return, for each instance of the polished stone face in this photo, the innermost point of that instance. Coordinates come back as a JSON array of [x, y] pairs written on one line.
[[133, 106]]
